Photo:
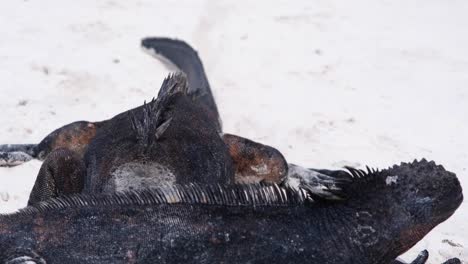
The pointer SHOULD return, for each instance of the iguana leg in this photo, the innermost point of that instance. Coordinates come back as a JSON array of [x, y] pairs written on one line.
[[255, 162], [75, 136], [62, 173]]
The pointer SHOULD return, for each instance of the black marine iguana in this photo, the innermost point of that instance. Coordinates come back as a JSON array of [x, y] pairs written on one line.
[[103, 157], [78, 135], [167, 141], [386, 212], [175, 138]]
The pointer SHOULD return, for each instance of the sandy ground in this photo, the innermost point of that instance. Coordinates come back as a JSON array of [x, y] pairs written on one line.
[[328, 83]]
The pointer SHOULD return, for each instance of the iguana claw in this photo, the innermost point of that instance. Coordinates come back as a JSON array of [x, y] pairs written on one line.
[[317, 183]]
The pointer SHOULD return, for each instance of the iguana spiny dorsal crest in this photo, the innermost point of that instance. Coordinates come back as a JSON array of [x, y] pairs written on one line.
[[153, 123]]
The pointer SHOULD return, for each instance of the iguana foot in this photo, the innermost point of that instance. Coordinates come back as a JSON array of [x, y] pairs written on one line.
[[322, 184], [15, 154], [62, 173], [15, 158], [75, 136]]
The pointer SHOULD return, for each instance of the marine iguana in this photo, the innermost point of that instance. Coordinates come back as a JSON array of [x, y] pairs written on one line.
[[87, 157], [103, 156], [169, 140], [77, 135], [264, 223]]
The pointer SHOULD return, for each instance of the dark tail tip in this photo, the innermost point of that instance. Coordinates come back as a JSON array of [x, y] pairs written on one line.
[[183, 56]]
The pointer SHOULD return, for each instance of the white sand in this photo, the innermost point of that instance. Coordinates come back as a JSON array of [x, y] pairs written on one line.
[[328, 83]]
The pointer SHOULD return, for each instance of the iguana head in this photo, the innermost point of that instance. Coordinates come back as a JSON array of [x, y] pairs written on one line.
[[428, 194], [409, 200]]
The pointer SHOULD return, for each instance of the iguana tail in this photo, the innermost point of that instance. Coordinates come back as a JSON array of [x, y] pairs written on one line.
[[186, 59]]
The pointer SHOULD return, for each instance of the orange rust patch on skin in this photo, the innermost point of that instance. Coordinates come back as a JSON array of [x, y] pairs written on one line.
[[255, 162], [76, 139]]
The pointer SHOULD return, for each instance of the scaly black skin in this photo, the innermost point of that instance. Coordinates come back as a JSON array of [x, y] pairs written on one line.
[[381, 219]]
